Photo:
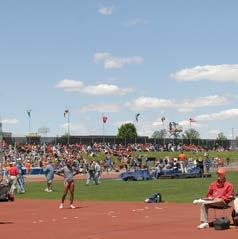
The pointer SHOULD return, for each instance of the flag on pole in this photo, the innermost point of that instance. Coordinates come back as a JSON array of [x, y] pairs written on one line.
[[66, 112], [191, 120], [104, 119], [163, 119], [29, 113], [170, 126], [137, 117]]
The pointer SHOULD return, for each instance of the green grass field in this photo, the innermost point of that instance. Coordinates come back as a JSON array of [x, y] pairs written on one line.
[[172, 190], [233, 155]]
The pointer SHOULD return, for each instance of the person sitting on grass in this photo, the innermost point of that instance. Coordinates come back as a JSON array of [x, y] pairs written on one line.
[[220, 194]]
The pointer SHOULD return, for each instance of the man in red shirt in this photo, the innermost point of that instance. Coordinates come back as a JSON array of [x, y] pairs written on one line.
[[13, 172], [220, 193]]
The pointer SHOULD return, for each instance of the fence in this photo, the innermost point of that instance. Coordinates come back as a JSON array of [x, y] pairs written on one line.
[[209, 143]]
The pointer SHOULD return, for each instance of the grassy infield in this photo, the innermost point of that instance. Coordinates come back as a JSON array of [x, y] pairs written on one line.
[[172, 190]]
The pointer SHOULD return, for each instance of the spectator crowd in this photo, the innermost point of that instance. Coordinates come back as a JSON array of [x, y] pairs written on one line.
[[93, 159]]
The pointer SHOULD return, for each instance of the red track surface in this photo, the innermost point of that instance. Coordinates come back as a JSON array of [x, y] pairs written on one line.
[[103, 220]]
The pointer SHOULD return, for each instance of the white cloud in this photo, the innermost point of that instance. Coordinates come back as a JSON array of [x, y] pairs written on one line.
[[65, 126], [187, 123], [101, 107], [106, 89], [136, 22], [119, 123], [220, 73], [150, 102], [184, 105], [105, 10], [222, 115], [79, 129], [212, 100], [100, 89], [100, 56], [70, 85], [144, 127], [157, 123], [112, 62], [117, 63], [214, 132], [147, 128], [183, 122], [231, 95], [9, 121], [202, 121], [145, 131]]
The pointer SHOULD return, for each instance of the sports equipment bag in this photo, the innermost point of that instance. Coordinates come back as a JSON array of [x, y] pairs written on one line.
[[221, 223]]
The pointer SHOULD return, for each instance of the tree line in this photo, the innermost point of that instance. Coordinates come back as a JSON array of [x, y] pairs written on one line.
[[128, 131]]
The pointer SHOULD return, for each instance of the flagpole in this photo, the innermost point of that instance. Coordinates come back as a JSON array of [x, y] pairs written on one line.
[[29, 121], [190, 123], [68, 129], [164, 129], [103, 140], [163, 119], [232, 137], [29, 126], [135, 121]]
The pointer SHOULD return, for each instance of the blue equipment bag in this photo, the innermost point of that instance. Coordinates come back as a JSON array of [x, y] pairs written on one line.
[[155, 198]]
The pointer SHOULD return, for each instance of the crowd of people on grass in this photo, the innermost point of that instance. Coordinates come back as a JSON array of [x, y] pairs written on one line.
[[93, 159]]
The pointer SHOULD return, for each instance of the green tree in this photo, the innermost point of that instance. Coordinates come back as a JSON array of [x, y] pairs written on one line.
[[175, 130], [221, 136], [191, 134], [127, 131], [159, 134]]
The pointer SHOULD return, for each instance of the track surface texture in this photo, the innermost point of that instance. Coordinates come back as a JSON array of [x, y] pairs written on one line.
[[104, 220]]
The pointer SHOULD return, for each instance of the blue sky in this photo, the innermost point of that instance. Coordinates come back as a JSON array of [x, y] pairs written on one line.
[[171, 58]]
